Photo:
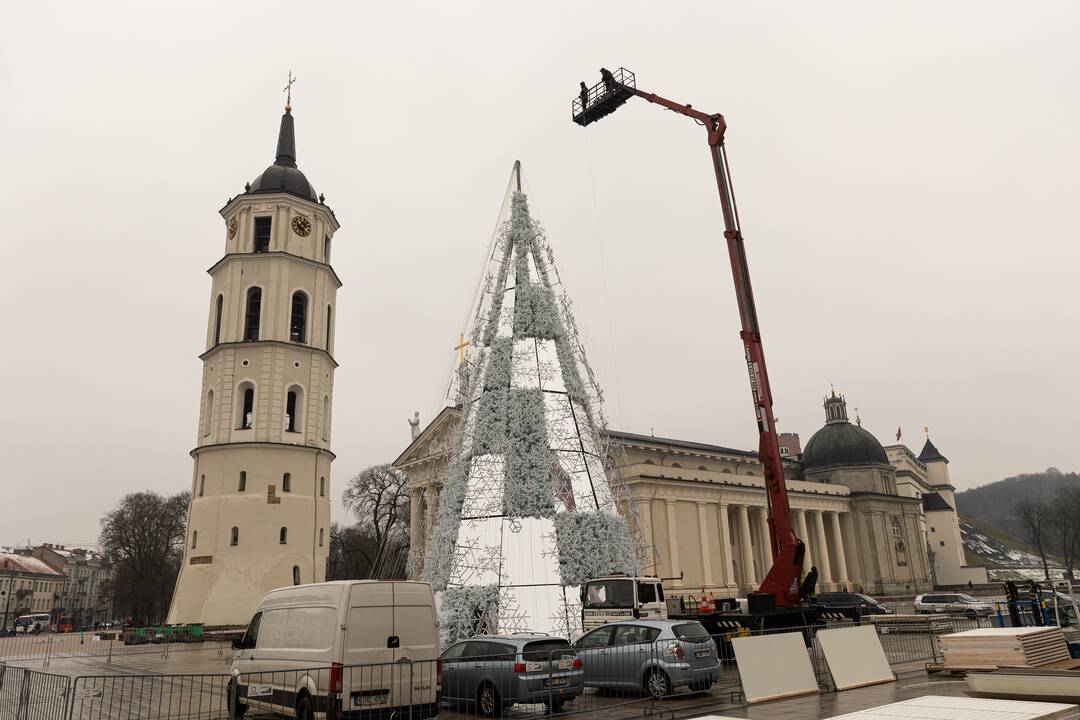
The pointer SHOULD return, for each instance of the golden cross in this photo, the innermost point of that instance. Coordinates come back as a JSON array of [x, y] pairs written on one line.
[[288, 91], [461, 347]]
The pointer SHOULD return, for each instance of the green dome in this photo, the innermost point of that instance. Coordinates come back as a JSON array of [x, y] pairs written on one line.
[[841, 443]]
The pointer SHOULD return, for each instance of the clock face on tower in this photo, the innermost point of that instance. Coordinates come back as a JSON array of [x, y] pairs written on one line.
[[301, 226], [231, 227]]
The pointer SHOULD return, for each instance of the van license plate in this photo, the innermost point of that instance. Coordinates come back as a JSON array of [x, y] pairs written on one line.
[[702, 654], [558, 683], [566, 663], [370, 697]]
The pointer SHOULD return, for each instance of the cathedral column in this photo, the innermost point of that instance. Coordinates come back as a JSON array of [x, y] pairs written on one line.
[[743, 522], [824, 571], [847, 531], [416, 530], [703, 534], [800, 520], [726, 546], [841, 561], [644, 512], [764, 542], [673, 543]]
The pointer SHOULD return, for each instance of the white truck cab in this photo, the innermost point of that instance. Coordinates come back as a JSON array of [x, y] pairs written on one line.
[[621, 597], [340, 648]]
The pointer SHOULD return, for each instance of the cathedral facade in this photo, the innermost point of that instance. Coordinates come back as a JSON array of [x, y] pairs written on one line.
[[260, 497], [874, 518]]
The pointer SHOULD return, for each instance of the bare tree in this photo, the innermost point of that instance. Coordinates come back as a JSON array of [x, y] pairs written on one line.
[[1063, 515], [379, 498], [143, 536], [1035, 518]]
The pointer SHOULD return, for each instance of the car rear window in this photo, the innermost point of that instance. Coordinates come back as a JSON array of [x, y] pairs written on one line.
[[544, 648], [692, 631]]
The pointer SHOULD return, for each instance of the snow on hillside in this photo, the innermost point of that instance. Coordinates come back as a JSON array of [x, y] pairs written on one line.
[[1009, 563]]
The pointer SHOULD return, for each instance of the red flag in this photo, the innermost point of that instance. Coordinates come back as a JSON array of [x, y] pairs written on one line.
[[898, 433]]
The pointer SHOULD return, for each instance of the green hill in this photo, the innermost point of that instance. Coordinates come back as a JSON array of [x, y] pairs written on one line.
[[996, 503]]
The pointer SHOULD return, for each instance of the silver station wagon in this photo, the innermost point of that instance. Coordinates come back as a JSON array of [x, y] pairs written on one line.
[[490, 672], [657, 656]]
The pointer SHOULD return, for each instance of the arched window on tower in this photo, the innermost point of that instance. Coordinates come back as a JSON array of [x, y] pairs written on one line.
[[295, 574], [234, 536], [286, 482], [254, 311], [298, 318], [202, 485], [322, 487], [241, 486], [194, 538], [246, 391], [262, 234], [329, 325], [294, 405], [217, 318], [326, 249], [208, 416], [320, 537], [283, 535]]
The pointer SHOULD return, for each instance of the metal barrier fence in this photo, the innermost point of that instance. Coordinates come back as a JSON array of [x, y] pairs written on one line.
[[50, 646], [31, 695], [616, 677]]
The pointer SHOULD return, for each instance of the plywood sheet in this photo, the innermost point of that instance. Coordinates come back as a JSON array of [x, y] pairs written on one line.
[[963, 708], [1002, 647], [855, 656], [774, 666]]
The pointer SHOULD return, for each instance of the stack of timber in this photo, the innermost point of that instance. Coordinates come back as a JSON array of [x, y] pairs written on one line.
[[990, 648], [936, 624]]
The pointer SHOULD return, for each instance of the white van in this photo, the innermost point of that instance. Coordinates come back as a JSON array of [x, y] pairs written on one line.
[[335, 649]]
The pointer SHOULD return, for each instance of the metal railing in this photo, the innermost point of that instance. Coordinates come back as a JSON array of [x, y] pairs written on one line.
[[51, 646], [620, 680]]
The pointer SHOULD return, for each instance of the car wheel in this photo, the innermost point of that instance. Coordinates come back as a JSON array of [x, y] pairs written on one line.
[[230, 692], [554, 706], [657, 683], [702, 686], [304, 709], [488, 703], [971, 615]]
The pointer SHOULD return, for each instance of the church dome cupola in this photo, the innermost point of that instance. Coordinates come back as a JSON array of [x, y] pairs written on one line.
[[840, 442], [283, 176]]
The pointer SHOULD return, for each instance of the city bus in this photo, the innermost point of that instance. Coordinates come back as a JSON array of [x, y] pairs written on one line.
[[34, 624]]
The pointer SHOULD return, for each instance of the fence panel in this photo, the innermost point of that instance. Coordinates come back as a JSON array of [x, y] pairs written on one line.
[[156, 697]]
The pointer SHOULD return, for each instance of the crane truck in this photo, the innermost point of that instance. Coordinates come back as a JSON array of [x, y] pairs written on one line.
[[781, 600]]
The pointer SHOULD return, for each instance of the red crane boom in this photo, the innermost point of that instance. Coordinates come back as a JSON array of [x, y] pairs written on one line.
[[782, 580]]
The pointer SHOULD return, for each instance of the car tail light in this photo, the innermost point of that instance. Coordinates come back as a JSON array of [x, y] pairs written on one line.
[[438, 670], [519, 667], [674, 649], [577, 663], [335, 677]]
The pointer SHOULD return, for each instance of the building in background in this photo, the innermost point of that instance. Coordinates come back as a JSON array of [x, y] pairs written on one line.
[[27, 585], [873, 518], [86, 597], [260, 497]]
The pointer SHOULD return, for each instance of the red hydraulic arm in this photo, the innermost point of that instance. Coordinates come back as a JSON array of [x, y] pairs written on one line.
[[782, 580]]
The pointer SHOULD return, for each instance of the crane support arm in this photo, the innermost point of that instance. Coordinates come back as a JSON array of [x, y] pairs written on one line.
[[782, 580]]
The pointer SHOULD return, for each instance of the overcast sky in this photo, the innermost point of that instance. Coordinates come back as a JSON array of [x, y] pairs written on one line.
[[906, 174]]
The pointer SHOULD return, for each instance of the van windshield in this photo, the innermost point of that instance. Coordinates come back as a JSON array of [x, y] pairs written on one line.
[[609, 594]]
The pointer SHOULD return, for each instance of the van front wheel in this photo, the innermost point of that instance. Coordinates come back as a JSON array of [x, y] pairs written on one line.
[[488, 703], [304, 710]]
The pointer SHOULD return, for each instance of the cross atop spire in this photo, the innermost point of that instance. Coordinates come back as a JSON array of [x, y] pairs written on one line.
[[288, 92]]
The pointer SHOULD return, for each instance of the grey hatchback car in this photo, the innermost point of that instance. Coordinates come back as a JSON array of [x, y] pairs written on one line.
[[490, 672], [655, 655]]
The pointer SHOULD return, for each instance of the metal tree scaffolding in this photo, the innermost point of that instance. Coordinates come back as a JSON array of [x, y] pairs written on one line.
[[529, 510]]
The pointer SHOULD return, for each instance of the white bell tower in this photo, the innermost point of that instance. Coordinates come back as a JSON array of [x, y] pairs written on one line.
[[260, 507]]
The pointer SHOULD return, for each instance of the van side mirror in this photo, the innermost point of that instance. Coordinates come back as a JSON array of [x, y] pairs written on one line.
[[238, 643]]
